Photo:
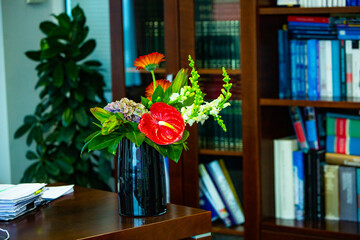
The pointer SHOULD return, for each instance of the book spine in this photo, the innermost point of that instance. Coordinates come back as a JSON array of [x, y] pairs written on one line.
[[342, 69], [298, 125], [348, 196], [358, 192], [293, 18], [332, 207], [277, 178], [309, 189], [208, 183], [222, 185], [284, 83], [311, 127], [349, 75], [344, 145], [206, 202], [312, 69], [356, 68], [342, 159], [293, 68], [322, 67], [318, 161], [298, 168], [335, 55], [343, 127]]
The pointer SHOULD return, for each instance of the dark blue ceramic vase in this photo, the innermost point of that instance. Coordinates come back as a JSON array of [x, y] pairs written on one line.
[[141, 180]]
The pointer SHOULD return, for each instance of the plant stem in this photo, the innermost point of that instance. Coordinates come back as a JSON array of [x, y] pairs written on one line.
[[154, 80]]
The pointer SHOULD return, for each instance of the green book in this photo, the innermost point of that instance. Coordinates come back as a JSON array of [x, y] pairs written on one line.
[[343, 125]]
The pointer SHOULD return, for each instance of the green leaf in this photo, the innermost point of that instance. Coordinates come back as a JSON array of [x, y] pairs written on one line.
[[101, 114], [185, 136], [136, 137], [179, 81], [79, 96], [67, 117], [158, 94], [22, 130], [31, 155], [64, 166], [78, 14], [81, 117], [58, 75], [29, 173], [167, 95], [92, 63], [52, 168], [145, 101], [47, 26], [71, 70], [64, 20], [92, 135], [33, 55], [86, 49], [29, 119], [59, 32], [104, 141], [68, 133]]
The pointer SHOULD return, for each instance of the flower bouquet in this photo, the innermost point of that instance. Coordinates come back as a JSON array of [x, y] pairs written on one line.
[[160, 119]]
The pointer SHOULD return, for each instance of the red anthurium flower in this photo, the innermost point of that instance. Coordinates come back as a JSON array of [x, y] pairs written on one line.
[[163, 125], [149, 62], [150, 89]]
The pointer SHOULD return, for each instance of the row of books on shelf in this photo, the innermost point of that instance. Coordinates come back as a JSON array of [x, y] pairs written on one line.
[[212, 136], [217, 10], [318, 3], [218, 44], [154, 37], [319, 57], [312, 180], [218, 194]]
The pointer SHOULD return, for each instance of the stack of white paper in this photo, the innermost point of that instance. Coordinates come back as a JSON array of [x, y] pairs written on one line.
[[52, 193], [16, 200]]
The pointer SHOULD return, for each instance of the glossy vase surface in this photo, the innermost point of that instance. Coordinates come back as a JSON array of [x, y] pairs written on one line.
[[141, 180]]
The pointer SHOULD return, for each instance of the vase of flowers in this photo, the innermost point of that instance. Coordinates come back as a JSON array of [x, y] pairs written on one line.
[[147, 132]]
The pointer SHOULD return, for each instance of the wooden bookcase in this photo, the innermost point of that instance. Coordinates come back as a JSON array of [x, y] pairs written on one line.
[[266, 117], [179, 19]]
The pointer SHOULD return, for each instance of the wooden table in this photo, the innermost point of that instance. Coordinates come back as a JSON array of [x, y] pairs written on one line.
[[93, 214]]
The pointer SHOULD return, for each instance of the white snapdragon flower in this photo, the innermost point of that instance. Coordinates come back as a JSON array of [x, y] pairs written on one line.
[[174, 97]]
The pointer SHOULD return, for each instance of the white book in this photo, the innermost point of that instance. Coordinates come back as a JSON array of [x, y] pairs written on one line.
[[356, 68], [225, 191], [349, 70], [328, 68], [21, 192], [209, 185], [284, 178], [286, 2], [322, 67]]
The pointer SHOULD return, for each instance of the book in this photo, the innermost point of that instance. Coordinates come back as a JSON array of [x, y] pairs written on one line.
[[342, 159], [335, 59], [299, 185], [298, 125], [342, 69], [311, 127], [331, 189], [313, 81], [358, 191], [283, 172], [344, 145], [348, 196], [284, 79], [349, 70], [222, 185], [295, 18], [343, 125], [206, 202], [219, 204]]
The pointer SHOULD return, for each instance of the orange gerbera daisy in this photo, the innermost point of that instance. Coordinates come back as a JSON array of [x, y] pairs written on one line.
[[149, 62], [149, 91]]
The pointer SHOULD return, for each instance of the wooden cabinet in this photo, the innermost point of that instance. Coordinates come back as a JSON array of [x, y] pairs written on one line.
[[266, 117]]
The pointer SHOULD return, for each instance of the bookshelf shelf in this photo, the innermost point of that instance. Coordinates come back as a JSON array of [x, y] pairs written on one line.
[[218, 227], [289, 10], [327, 229], [220, 153], [158, 70], [348, 103], [209, 71]]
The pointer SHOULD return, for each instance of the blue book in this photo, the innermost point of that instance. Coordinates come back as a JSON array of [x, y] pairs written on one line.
[[342, 69], [315, 32], [311, 128], [312, 28], [348, 34], [358, 190], [284, 79], [335, 54], [293, 68], [314, 36], [344, 145], [301, 68], [206, 202], [313, 81], [348, 3], [312, 24], [299, 184]]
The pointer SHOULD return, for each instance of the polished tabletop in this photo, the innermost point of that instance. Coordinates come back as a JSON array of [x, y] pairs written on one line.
[[93, 214]]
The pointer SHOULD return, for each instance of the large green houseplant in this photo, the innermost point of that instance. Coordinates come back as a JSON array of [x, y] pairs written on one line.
[[70, 86]]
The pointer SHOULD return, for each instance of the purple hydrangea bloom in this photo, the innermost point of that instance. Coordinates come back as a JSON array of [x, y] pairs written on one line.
[[131, 110]]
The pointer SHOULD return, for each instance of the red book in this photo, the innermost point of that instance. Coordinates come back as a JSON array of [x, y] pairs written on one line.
[[308, 19]]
